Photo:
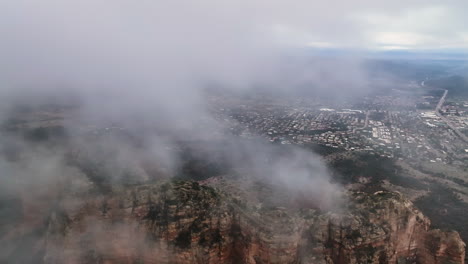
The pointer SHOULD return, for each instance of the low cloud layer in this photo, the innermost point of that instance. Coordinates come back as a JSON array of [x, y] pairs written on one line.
[[146, 64], [141, 68]]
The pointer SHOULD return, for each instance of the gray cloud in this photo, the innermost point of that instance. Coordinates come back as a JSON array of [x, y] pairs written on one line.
[[146, 64]]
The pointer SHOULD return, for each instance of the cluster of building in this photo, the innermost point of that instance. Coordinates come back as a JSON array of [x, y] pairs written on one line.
[[419, 134]]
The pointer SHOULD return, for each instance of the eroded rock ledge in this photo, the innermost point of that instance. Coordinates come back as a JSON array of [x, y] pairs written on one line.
[[184, 222]]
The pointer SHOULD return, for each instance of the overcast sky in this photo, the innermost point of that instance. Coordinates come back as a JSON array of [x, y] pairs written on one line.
[[367, 24], [111, 45], [362, 24]]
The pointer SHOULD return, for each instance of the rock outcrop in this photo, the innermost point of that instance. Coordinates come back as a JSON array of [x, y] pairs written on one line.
[[184, 222], [383, 228]]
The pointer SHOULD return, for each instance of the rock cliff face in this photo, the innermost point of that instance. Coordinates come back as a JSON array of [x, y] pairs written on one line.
[[184, 222], [384, 228]]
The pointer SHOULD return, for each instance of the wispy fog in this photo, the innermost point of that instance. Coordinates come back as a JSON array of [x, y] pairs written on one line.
[[143, 67], [147, 63]]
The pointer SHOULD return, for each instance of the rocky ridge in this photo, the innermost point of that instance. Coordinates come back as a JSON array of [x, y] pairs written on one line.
[[185, 222]]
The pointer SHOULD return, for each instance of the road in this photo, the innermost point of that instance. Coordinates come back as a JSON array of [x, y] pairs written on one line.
[[366, 123], [449, 124], [441, 102]]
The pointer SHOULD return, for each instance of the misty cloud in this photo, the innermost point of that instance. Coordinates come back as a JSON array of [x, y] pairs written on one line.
[[146, 64], [141, 68]]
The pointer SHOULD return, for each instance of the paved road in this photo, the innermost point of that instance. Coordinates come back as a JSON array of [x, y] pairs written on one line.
[[449, 124], [366, 123], [441, 101]]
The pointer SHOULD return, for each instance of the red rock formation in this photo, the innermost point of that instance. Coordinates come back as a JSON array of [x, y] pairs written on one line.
[[188, 223]]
